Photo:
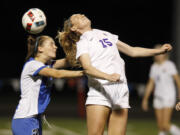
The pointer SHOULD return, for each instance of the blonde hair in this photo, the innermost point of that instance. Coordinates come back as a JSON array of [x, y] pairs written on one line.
[[67, 40]]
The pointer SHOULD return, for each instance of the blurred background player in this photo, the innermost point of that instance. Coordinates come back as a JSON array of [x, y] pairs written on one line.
[[163, 73], [36, 82], [97, 52]]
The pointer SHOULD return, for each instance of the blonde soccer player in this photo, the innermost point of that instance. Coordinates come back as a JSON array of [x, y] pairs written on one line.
[[97, 52], [163, 74], [36, 82]]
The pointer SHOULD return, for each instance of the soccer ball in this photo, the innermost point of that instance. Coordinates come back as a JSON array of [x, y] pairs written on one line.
[[34, 21]]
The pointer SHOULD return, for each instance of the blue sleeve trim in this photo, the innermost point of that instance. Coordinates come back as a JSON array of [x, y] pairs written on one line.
[[52, 63], [39, 69]]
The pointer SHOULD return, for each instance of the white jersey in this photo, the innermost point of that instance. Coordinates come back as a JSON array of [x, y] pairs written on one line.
[[103, 52], [35, 90], [162, 74]]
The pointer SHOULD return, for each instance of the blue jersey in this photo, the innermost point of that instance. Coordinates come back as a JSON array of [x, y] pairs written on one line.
[[35, 90]]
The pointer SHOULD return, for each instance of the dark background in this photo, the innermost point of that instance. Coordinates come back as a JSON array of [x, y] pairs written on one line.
[[138, 23], [141, 23]]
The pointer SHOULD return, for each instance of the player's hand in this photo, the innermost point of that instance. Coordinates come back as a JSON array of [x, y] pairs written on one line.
[[114, 77], [145, 105], [166, 48], [178, 106]]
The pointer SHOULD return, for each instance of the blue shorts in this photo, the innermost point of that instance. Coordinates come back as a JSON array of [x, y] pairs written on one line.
[[27, 126]]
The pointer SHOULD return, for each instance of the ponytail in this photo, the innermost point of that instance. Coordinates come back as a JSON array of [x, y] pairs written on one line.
[[67, 40], [30, 47]]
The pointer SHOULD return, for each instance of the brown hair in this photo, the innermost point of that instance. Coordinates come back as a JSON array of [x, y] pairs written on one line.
[[32, 44], [67, 40]]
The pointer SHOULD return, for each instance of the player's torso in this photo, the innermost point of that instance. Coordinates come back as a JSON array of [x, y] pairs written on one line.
[[34, 91], [103, 52], [164, 83]]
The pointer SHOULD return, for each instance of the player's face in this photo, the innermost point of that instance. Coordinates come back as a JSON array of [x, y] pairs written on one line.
[[49, 48], [80, 21], [160, 58]]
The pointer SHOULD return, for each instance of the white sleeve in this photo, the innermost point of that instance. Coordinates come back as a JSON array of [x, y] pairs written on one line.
[[172, 69], [35, 67], [81, 48], [152, 72], [113, 37]]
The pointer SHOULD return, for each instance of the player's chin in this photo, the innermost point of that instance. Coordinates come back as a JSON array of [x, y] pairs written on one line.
[[53, 56]]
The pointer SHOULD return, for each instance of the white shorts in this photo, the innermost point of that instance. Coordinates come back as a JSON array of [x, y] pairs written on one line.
[[114, 96], [159, 102]]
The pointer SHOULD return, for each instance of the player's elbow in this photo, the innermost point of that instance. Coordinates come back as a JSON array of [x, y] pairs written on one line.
[[133, 52], [87, 70]]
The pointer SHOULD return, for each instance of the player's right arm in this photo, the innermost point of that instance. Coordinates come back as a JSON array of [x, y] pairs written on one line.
[[54, 73], [92, 71], [148, 91]]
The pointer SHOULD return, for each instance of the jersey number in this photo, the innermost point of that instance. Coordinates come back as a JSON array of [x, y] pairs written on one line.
[[35, 131], [105, 43]]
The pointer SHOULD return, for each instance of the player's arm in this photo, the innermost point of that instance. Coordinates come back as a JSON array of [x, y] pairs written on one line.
[[141, 52], [50, 72], [177, 80], [92, 71], [61, 63], [148, 91]]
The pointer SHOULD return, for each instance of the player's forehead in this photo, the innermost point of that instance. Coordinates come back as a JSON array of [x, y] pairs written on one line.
[[48, 39], [76, 16]]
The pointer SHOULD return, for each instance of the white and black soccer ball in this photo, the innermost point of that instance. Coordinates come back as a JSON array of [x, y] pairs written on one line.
[[34, 21]]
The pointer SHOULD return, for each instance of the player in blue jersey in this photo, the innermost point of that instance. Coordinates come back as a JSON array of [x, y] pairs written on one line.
[[36, 81]]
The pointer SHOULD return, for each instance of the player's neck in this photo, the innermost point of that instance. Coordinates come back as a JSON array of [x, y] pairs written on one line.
[[42, 59], [85, 30], [161, 61]]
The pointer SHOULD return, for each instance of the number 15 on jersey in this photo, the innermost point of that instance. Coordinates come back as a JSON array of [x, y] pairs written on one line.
[[105, 43]]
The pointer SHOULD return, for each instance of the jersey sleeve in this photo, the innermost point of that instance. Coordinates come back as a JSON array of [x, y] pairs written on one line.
[[172, 69], [114, 37], [35, 67], [152, 72], [81, 47]]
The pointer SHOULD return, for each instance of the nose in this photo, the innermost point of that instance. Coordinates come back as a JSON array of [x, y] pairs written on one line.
[[55, 46]]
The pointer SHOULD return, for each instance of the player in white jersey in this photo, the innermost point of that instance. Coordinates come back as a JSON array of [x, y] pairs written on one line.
[[97, 51], [163, 73], [36, 82]]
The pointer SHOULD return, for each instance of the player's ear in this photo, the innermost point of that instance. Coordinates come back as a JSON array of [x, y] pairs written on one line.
[[73, 28], [40, 49]]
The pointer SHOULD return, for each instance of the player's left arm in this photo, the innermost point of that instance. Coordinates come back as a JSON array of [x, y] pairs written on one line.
[[177, 80], [60, 63], [140, 51]]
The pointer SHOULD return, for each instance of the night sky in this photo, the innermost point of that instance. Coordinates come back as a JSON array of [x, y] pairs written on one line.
[[137, 22]]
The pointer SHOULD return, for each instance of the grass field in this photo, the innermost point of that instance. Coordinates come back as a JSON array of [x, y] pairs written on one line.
[[75, 126]]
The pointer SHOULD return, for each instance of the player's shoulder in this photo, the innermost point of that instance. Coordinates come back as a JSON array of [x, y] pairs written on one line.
[[154, 65], [101, 31], [32, 63], [169, 63]]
